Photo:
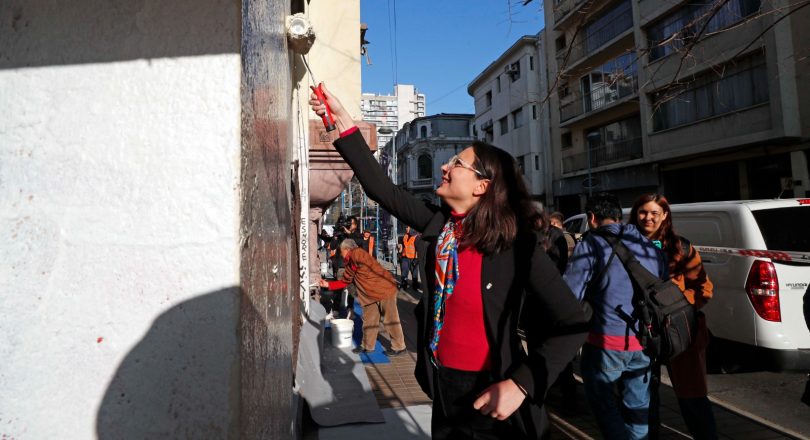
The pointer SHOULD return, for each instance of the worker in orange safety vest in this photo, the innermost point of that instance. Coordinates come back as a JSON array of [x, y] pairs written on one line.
[[408, 259]]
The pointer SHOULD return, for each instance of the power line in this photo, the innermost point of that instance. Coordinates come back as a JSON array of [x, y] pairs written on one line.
[[433, 101]]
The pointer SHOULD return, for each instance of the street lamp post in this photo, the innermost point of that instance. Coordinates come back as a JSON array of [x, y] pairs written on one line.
[[392, 243]]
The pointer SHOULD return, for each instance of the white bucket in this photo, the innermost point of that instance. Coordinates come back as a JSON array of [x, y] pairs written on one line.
[[342, 332]]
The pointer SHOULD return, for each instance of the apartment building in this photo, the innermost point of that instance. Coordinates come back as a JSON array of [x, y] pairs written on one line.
[[510, 111], [701, 101], [423, 146], [390, 112]]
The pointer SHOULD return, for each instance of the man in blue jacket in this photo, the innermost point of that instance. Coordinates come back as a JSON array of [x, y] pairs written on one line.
[[612, 354]]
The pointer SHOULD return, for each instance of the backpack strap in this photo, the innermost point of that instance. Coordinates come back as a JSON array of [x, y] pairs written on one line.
[[643, 277], [598, 277]]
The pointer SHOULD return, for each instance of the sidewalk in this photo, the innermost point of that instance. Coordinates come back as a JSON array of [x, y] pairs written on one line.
[[407, 410]]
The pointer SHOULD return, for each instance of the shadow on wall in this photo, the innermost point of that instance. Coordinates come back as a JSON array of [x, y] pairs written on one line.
[[182, 379], [46, 32]]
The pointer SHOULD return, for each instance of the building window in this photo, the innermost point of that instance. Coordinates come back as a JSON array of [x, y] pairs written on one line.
[[498, 84], [504, 125], [609, 82], [534, 112], [563, 90], [423, 131], [531, 63], [608, 26], [424, 166], [681, 27], [488, 99], [486, 131], [559, 43], [513, 70], [614, 142], [522, 164], [743, 84], [537, 163], [565, 141], [517, 118]]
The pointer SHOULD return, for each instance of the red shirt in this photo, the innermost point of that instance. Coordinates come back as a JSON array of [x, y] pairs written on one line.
[[464, 344]]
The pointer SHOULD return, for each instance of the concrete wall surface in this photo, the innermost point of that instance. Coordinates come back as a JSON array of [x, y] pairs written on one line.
[[119, 202]]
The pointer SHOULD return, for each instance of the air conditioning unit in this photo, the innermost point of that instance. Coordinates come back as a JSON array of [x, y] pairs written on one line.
[[512, 69]]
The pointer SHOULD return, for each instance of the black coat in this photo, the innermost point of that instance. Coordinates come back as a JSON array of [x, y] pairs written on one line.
[[555, 326]]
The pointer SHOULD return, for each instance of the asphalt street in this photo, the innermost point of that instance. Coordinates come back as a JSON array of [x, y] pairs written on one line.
[[767, 397]]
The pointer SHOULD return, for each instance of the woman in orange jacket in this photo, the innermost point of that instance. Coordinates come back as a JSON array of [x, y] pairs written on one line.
[[687, 371]]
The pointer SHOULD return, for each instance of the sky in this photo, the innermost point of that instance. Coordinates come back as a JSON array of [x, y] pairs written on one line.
[[441, 45]]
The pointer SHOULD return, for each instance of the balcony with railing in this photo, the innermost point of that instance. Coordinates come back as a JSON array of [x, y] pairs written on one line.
[[604, 29], [421, 183], [563, 7], [612, 152], [601, 95]]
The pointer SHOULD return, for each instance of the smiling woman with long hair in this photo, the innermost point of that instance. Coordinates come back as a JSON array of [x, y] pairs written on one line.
[[653, 217], [481, 266]]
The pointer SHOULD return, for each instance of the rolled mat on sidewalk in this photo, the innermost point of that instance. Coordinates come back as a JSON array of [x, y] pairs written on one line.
[[333, 383]]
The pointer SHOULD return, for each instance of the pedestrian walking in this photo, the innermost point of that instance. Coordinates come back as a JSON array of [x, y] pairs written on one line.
[[376, 293], [687, 371], [479, 262], [612, 356], [552, 240], [556, 219]]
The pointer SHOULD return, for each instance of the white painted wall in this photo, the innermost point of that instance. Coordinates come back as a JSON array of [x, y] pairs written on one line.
[[119, 172]]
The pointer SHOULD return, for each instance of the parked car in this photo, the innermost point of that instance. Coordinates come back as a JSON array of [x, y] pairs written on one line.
[[756, 311], [576, 225]]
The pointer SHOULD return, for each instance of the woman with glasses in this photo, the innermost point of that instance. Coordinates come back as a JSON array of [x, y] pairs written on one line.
[[480, 264], [687, 371]]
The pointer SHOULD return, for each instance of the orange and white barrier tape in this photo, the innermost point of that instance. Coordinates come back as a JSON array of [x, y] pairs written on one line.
[[793, 257]]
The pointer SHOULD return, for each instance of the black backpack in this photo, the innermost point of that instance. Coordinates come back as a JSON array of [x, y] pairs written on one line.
[[667, 321]]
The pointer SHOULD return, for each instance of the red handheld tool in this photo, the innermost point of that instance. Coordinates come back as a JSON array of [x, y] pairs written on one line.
[[328, 119]]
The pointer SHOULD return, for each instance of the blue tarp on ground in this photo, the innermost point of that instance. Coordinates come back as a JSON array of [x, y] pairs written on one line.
[[378, 355]]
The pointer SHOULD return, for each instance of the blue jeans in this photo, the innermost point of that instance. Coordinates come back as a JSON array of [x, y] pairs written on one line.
[[617, 385]]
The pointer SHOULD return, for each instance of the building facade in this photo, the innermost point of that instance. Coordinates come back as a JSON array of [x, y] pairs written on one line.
[[512, 113], [390, 112], [700, 102]]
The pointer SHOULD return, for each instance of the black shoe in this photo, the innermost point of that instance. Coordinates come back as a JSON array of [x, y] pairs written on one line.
[[391, 352], [359, 350]]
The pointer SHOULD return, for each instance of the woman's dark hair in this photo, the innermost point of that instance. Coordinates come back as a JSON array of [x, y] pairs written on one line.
[[539, 221], [504, 209], [665, 233]]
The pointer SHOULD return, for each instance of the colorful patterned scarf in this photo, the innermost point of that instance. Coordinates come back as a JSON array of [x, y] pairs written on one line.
[[446, 276]]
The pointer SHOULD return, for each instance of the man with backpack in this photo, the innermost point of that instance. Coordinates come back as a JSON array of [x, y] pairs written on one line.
[[613, 354]]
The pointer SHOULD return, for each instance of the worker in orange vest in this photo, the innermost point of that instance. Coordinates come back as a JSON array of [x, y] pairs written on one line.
[[408, 259], [368, 243]]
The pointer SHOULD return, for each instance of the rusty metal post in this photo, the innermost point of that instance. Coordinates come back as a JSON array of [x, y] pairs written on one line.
[[267, 267]]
